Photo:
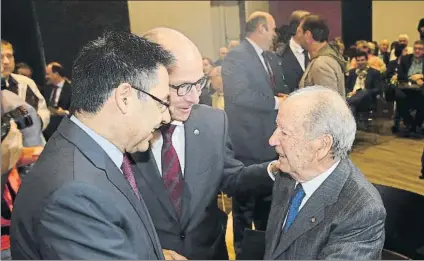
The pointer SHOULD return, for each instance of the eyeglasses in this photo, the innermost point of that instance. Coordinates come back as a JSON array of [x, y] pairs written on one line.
[[185, 88], [164, 103]]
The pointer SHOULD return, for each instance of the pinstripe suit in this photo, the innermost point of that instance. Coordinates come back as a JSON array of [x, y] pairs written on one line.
[[343, 219]]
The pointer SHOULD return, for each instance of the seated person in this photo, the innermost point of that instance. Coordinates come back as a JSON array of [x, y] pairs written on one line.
[[362, 84], [373, 61], [393, 66], [410, 76], [217, 85]]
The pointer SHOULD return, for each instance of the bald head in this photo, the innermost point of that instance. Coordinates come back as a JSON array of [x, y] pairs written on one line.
[[260, 28], [186, 53]]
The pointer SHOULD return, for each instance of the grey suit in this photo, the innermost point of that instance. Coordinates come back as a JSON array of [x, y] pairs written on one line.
[[76, 204], [209, 168], [343, 219]]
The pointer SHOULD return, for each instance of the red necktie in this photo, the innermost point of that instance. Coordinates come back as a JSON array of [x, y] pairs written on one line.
[[171, 170], [129, 175]]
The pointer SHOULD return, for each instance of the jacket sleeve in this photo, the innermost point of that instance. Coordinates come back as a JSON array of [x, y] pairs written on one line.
[[237, 88], [239, 180], [79, 223], [323, 74]]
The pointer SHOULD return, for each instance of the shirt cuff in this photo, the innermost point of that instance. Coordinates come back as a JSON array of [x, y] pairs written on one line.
[[277, 103], [268, 169]]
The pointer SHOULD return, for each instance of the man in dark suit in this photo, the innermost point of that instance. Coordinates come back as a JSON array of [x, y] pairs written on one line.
[[411, 74], [58, 96], [322, 207], [363, 84], [192, 161], [294, 58], [253, 88], [81, 200]]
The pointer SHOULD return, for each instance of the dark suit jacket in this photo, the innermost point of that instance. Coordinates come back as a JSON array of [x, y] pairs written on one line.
[[249, 101], [210, 167], [292, 70], [343, 219], [64, 103], [373, 81], [76, 204], [405, 64], [386, 57]]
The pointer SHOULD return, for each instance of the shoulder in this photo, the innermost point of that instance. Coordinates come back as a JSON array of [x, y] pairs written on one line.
[[208, 114], [24, 80], [373, 71]]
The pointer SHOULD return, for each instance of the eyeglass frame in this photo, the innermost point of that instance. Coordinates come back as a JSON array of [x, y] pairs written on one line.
[[164, 103], [180, 86]]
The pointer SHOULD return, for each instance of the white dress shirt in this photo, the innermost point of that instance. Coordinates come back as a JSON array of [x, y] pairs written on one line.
[[310, 186], [111, 150], [259, 51], [298, 52], [59, 90], [178, 141]]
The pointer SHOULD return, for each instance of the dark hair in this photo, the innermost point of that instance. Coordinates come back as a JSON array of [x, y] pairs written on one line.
[[399, 49], [115, 58], [393, 44], [253, 23], [209, 60], [22, 66], [361, 54], [420, 24], [58, 68], [419, 42], [317, 26]]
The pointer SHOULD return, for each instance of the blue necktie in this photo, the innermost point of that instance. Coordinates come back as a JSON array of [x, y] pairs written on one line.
[[295, 202]]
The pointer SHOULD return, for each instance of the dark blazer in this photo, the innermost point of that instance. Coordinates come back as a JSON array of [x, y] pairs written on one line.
[[64, 103], [250, 103], [373, 81], [343, 219], [292, 70], [76, 204], [210, 167], [386, 57], [405, 64]]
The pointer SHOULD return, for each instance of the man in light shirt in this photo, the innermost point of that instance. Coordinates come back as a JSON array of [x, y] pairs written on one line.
[[323, 207]]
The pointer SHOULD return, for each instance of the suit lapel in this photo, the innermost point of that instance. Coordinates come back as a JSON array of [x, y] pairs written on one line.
[[313, 212], [279, 210], [148, 173], [255, 56], [194, 132]]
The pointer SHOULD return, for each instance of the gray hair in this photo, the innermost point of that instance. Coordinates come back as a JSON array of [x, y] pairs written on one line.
[[329, 114]]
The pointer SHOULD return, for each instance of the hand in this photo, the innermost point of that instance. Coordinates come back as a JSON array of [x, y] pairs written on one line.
[[62, 112], [350, 94], [420, 82], [172, 255], [282, 97], [274, 167], [416, 77], [11, 148]]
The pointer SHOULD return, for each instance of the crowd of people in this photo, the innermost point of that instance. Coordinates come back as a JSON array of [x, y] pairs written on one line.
[[131, 155]]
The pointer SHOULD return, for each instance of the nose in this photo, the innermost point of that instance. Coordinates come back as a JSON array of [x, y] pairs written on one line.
[[5, 60], [273, 140], [166, 117], [192, 96]]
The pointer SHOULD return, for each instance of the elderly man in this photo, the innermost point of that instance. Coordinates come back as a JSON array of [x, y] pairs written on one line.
[[81, 200], [322, 207]]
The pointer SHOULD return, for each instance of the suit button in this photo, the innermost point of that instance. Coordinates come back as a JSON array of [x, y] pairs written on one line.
[[182, 235]]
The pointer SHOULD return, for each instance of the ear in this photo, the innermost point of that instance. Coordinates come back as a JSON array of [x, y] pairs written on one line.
[[324, 144], [122, 97]]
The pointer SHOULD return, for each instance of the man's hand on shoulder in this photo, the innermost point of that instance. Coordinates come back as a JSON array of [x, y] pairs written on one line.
[[172, 255]]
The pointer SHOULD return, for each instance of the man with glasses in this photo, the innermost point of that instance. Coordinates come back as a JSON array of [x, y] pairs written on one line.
[[192, 161], [81, 200]]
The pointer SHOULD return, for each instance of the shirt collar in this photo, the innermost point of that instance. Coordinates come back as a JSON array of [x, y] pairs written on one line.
[[111, 150], [310, 186], [295, 46], [60, 85], [258, 49]]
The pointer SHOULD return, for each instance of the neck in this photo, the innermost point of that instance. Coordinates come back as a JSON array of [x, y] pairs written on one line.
[[295, 40], [58, 81], [315, 47], [255, 38], [319, 169], [102, 127]]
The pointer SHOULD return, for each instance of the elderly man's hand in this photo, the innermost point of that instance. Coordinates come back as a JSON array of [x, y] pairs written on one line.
[[172, 255], [11, 148]]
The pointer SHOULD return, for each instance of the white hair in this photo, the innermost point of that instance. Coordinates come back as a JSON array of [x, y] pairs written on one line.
[[328, 114], [403, 36]]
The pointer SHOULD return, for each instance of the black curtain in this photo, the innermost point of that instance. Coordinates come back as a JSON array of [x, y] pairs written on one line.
[[68, 25], [356, 21], [19, 27], [46, 31]]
